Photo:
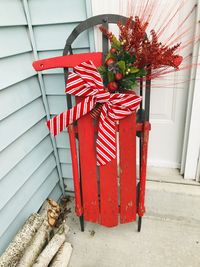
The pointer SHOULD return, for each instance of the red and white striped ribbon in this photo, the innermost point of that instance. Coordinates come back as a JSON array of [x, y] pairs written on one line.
[[87, 82]]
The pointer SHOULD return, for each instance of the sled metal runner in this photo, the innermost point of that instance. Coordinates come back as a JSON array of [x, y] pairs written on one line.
[[110, 193]]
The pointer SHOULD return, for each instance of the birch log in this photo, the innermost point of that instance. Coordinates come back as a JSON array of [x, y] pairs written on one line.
[[52, 247], [63, 255], [13, 253], [50, 211], [36, 246], [44, 209]]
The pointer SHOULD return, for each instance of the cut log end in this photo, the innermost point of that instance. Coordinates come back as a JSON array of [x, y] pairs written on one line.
[[36, 246], [16, 248], [63, 256], [52, 247]]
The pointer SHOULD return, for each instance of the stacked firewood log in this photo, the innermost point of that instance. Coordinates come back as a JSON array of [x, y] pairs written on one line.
[[41, 242]]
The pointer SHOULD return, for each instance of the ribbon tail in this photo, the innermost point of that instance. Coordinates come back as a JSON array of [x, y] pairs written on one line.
[[58, 123], [106, 141]]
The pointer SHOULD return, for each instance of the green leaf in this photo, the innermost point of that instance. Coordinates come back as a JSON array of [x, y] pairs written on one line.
[[134, 70], [116, 46], [127, 57], [102, 70], [122, 66], [129, 84], [111, 76], [133, 59], [129, 81], [131, 76], [142, 72], [110, 55], [116, 42]]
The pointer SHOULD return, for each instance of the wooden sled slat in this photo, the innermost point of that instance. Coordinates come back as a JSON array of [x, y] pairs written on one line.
[[127, 133], [109, 194], [86, 135], [75, 170]]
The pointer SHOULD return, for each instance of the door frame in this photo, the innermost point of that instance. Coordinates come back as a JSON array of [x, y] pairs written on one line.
[[190, 164]]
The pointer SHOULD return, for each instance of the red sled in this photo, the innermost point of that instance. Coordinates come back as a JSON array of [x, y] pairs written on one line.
[[111, 193]]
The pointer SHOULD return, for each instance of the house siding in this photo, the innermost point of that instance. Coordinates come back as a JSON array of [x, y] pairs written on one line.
[[51, 31], [28, 173]]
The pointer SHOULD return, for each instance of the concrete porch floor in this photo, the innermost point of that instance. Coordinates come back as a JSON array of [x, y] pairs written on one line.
[[161, 243]]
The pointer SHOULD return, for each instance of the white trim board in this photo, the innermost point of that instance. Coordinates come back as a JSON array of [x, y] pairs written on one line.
[[190, 165], [193, 146]]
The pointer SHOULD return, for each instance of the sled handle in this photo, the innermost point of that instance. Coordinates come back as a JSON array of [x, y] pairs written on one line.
[[68, 61]]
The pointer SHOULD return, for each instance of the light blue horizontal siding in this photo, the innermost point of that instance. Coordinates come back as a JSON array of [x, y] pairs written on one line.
[[57, 104], [54, 84], [11, 13], [61, 11], [59, 52], [63, 140], [69, 186], [23, 93], [26, 167], [25, 193], [56, 192], [46, 188], [19, 122], [20, 45], [66, 170], [15, 69], [65, 155], [28, 173], [53, 37], [16, 151]]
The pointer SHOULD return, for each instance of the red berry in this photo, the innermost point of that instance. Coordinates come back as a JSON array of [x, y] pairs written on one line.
[[118, 76], [177, 61], [113, 50], [109, 61], [112, 86]]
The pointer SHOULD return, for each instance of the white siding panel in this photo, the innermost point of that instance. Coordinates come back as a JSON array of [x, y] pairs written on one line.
[[18, 95], [16, 178], [65, 155], [12, 13], [57, 104], [55, 84], [15, 69], [66, 170], [52, 12], [14, 40], [18, 123], [17, 203], [53, 37], [32, 206], [12, 155]]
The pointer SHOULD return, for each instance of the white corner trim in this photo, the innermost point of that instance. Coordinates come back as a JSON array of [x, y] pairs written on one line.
[[191, 145]]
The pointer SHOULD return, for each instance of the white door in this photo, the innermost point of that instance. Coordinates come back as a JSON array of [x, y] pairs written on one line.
[[168, 105]]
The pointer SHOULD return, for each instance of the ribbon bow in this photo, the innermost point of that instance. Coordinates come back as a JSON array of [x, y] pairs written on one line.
[[87, 82]]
